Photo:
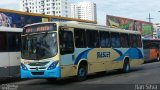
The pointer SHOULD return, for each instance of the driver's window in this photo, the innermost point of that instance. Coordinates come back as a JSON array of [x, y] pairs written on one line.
[[66, 42]]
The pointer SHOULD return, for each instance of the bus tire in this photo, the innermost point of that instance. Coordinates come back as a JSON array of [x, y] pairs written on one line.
[[126, 66], [82, 73]]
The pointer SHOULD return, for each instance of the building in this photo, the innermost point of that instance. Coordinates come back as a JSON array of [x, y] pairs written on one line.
[[84, 10], [48, 7]]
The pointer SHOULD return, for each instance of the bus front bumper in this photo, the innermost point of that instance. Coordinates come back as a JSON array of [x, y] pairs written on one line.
[[55, 73]]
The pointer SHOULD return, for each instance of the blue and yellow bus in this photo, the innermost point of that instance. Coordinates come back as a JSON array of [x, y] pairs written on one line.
[[54, 50]]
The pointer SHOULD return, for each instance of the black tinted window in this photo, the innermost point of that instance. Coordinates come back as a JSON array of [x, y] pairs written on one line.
[[115, 40], [133, 40], [125, 40], [66, 42], [80, 38], [139, 41], [13, 41], [10, 41], [3, 41], [92, 39], [104, 39]]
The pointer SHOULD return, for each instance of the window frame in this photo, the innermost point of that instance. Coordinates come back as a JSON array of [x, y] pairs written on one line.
[[115, 43], [107, 35], [92, 38], [82, 37], [139, 41], [10, 38], [63, 48], [3, 46], [125, 40], [133, 40]]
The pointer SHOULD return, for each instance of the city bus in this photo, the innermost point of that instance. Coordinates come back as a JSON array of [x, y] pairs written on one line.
[[54, 50], [10, 42], [151, 49]]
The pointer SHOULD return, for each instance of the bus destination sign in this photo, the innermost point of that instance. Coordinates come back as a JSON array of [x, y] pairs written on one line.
[[40, 28]]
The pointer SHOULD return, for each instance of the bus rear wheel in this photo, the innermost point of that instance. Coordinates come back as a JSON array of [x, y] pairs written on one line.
[[82, 73], [126, 66]]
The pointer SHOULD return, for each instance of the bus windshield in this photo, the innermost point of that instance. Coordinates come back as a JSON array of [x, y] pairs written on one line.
[[39, 46]]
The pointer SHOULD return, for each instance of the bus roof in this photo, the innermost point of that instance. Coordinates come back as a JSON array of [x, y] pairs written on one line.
[[10, 29], [88, 26]]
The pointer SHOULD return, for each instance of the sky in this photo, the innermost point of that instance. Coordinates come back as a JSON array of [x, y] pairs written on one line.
[[135, 9]]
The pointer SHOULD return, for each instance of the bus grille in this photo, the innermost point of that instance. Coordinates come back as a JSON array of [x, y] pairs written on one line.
[[38, 63], [37, 73]]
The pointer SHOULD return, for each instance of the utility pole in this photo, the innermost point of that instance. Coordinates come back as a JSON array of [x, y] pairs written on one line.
[[150, 18]]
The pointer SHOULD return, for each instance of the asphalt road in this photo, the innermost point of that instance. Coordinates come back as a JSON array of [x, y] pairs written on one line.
[[144, 77]]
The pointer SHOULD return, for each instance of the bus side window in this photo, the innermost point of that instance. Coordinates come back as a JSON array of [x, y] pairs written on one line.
[[13, 41], [125, 40], [66, 42], [3, 43], [92, 39], [115, 40], [80, 38], [133, 40], [139, 41], [104, 39]]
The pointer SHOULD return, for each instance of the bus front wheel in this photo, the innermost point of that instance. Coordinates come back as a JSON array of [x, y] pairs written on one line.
[[82, 73]]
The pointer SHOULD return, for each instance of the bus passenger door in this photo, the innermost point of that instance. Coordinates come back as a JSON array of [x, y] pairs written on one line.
[[67, 53]]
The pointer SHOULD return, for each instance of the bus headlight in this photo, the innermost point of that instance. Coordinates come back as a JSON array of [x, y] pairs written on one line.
[[23, 66], [53, 65]]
